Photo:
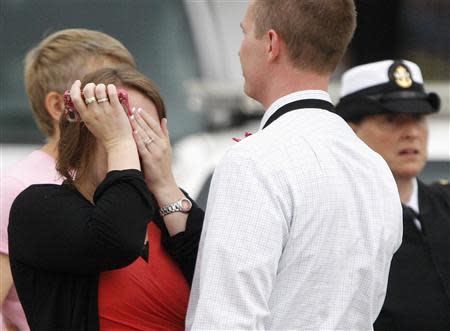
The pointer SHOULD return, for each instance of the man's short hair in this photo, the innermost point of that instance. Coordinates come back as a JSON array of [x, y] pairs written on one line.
[[63, 57], [317, 32]]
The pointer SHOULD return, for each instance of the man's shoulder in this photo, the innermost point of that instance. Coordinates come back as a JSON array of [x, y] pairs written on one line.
[[251, 156], [246, 148]]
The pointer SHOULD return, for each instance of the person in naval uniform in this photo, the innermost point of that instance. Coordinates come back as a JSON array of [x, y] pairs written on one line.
[[386, 105]]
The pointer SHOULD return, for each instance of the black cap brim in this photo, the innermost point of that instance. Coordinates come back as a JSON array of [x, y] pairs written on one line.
[[429, 104], [354, 108]]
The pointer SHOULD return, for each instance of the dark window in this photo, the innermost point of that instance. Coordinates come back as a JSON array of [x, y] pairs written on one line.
[[155, 31]]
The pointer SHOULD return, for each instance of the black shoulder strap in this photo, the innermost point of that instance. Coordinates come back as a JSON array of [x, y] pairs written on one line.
[[299, 104]]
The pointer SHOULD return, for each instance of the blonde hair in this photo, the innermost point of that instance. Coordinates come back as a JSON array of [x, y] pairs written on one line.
[[76, 145], [317, 32], [61, 58]]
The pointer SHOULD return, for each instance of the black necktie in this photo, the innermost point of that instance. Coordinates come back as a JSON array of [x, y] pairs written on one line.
[[409, 214], [409, 226]]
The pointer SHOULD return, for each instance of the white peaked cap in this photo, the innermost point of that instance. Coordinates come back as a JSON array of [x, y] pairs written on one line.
[[372, 74], [389, 86]]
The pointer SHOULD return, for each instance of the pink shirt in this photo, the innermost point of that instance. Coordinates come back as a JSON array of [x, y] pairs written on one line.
[[37, 168]]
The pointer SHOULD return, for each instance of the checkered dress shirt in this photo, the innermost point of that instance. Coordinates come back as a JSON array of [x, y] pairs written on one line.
[[301, 224]]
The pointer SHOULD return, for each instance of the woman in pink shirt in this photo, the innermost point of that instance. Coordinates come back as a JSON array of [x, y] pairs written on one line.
[[50, 68]]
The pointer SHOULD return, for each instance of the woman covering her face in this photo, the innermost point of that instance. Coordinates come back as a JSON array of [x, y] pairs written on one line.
[[95, 253]]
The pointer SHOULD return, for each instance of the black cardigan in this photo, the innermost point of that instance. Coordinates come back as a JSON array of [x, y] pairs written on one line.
[[59, 243]]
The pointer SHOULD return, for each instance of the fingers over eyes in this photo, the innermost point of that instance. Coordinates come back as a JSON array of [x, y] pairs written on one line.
[[142, 128], [164, 127], [146, 121]]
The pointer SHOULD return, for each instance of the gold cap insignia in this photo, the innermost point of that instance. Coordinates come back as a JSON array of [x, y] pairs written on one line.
[[401, 76]]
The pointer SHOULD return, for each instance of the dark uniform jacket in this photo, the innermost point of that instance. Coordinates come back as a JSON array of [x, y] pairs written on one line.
[[418, 293]]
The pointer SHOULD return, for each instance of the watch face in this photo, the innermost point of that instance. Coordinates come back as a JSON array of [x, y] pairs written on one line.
[[186, 205]]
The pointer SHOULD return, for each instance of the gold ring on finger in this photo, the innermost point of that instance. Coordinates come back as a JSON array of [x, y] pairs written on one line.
[[102, 100], [90, 100], [147, 141]]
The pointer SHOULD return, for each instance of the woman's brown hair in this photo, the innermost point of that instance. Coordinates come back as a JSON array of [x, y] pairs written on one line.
[[76, 145]]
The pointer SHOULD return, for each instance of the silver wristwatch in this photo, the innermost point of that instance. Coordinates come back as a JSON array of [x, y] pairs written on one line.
[[184, 206]]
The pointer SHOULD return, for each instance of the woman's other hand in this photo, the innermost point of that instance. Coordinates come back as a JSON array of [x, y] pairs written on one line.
[[152, 140], [104, 116]]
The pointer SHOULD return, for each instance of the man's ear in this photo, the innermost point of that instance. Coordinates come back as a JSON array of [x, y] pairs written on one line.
[[54, 104], [274, 44]]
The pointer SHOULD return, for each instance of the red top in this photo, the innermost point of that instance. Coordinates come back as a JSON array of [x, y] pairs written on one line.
[[144, 296]]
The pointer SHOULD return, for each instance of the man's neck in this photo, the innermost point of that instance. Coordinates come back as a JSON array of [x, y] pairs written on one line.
[[405, 188], [290, 81]]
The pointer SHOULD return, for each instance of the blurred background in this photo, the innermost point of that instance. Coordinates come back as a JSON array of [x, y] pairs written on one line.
[[190, 49]]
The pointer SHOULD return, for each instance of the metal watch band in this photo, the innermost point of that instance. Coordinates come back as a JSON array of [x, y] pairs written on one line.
[[174, 207]]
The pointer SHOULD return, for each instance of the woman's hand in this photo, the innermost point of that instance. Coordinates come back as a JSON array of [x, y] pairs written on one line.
[[152, 140], [104, 116], [106, 119]]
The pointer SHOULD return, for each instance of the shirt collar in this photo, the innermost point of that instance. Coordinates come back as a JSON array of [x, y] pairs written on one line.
[[301, 95], [413, 202]]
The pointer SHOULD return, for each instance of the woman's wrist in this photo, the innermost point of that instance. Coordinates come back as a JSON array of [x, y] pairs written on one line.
[[175, 221], [119, 144], [122, 155], [167, 194]]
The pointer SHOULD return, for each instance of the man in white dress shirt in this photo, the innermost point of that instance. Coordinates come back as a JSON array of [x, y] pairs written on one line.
[[302, 217]]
